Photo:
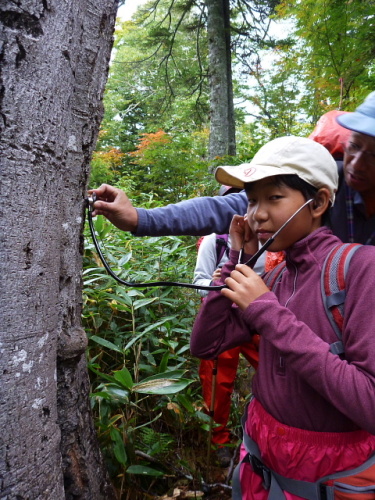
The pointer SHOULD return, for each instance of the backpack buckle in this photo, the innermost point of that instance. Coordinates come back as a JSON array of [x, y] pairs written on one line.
[[262, 470]]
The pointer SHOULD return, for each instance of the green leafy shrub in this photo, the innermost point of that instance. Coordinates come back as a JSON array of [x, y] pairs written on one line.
[[146, 394]]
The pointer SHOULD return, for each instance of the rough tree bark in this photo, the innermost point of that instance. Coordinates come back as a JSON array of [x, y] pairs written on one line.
[[222, 127], [53, 66]]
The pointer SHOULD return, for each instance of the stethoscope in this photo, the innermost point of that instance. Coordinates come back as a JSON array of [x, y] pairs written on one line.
[[251, 262]]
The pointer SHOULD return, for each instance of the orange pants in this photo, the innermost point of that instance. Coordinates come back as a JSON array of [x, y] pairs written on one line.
[[227, 363]]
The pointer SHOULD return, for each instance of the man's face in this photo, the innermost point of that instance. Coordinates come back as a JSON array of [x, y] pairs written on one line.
[[359, 163]]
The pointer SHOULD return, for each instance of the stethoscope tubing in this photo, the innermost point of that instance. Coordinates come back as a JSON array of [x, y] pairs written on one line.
[[251, 262]]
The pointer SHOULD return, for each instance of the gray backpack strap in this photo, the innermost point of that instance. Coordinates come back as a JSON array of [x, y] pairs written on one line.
[[253, 457], [333, 278]]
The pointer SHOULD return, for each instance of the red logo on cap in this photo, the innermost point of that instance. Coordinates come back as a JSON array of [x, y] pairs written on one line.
[[249, 171]]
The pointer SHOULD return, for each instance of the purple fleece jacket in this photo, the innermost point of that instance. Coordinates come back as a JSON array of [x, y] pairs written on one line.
[[299, 381]]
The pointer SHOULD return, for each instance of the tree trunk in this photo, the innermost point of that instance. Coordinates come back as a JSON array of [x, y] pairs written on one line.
[[53, 67], [222, 128]]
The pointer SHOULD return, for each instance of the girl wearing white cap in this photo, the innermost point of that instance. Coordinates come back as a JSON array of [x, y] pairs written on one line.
[[313, 411]]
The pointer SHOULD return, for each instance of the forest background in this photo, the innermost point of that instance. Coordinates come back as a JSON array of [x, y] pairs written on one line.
[[290, 62]]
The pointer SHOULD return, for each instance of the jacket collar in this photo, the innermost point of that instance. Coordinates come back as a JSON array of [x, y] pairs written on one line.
[[311, 250]]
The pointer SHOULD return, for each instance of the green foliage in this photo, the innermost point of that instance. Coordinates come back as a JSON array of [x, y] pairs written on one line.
[[318, 56], [145, 388], [169, 165], [105, 166], [156, 79], [151, 89], [155, 443], [335, 52]]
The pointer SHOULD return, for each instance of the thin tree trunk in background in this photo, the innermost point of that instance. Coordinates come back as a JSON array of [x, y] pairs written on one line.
[[222, 127], [53, 67]]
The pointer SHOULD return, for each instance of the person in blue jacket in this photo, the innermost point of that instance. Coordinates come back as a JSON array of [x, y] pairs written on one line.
[[352, 217]]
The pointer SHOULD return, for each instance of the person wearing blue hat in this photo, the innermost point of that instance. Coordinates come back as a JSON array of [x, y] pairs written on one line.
[[352, 217], [356, 197], [362, 120]]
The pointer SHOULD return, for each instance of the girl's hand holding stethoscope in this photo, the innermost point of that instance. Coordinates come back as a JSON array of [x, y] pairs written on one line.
[[244, 285]]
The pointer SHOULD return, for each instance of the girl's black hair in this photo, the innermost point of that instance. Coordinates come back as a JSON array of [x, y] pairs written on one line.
[[294, 182]]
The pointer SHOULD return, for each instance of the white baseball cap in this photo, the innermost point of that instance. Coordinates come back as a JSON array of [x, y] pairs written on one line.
[[285, 156]]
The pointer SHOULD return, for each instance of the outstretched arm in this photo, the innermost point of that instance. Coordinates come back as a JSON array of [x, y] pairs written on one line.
[[197, 217]]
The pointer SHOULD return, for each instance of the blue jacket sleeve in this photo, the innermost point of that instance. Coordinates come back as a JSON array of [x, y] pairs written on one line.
[[195, 217]]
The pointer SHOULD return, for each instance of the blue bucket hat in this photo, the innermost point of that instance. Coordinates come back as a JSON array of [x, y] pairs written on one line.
[[362, 120]]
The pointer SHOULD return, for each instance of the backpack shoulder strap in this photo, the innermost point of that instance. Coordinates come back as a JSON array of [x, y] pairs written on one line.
[[274, 276], [333, 277], [221, 246]]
